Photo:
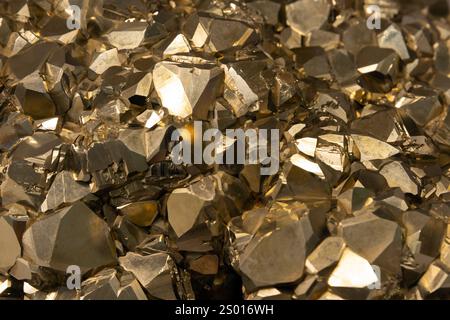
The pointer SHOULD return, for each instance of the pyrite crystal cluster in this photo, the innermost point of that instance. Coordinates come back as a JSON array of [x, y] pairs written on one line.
[[92, 90]]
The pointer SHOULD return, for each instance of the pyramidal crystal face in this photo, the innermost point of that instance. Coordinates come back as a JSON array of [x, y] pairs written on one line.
[[187, 90], [224, 150]]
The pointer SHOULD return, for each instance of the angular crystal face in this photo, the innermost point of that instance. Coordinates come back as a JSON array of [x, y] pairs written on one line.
[[199, 195], [352, 271], [153, 272], [128, 35], [49, 241], [305, 16], [64, 190], [383, 248], [109, 285], [187, 90], [10, 245], [392, 38], [262, 261], [373, 149], [325, 254], [105, 60], [136, 139], [141, 213]]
